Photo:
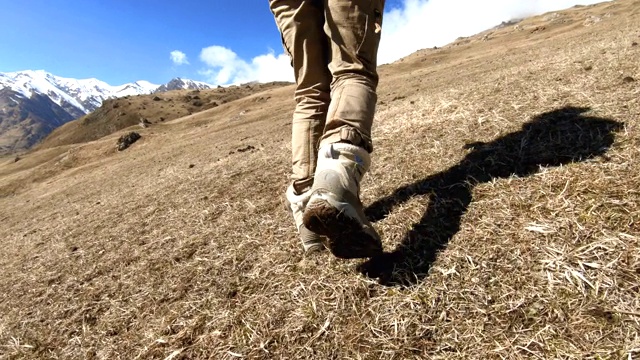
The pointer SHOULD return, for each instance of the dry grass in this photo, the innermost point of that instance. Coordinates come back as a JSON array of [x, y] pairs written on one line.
[[117, 114], [505, 184]]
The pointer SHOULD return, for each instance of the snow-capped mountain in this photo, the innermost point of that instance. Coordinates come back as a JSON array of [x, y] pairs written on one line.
[[34, 102], [85, 94], [183, 84]]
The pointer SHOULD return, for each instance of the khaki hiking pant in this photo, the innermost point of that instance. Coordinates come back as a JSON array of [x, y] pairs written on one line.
[[333, 46]]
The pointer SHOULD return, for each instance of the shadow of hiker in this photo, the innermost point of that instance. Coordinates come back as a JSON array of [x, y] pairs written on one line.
[[553, 138]]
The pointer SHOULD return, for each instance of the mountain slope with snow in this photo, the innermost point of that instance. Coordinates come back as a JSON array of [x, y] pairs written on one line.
[[85, 94], [24, 122], [35, 102], [182, 84]]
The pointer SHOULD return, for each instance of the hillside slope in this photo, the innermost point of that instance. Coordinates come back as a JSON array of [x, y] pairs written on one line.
[[505, 185], [117, 114]]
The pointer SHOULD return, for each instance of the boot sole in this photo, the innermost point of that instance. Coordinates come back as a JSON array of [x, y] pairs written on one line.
[[346, 236]]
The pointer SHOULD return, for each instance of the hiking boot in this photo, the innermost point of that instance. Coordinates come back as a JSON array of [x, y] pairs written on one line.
[[334, 208], [311, 242]]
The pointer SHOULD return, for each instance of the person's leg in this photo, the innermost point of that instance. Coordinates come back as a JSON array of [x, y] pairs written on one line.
[[334, 208], [354, 28], [301, 26]]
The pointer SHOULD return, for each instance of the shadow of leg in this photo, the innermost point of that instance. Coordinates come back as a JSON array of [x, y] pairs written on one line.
[[553, 138], [413, 258]]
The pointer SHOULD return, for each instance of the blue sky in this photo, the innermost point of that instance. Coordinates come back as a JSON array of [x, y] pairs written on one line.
[[220, 41], [120, 41]]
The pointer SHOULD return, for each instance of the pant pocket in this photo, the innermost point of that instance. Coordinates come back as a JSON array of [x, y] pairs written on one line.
[[368, 47]]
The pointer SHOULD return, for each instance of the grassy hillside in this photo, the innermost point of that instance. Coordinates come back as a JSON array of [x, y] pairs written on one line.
[[505, 186], [117, 114]]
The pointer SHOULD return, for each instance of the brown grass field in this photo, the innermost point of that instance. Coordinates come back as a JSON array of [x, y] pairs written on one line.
[[505, 184], [117, 114]]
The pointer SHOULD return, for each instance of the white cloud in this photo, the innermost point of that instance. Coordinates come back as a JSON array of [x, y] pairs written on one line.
[[178, 57], [225, 67], [414, 25], [419, 24]]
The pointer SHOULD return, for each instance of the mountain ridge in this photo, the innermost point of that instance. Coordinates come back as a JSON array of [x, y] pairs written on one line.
[[182, 84], [86, 94], [38, 91]]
